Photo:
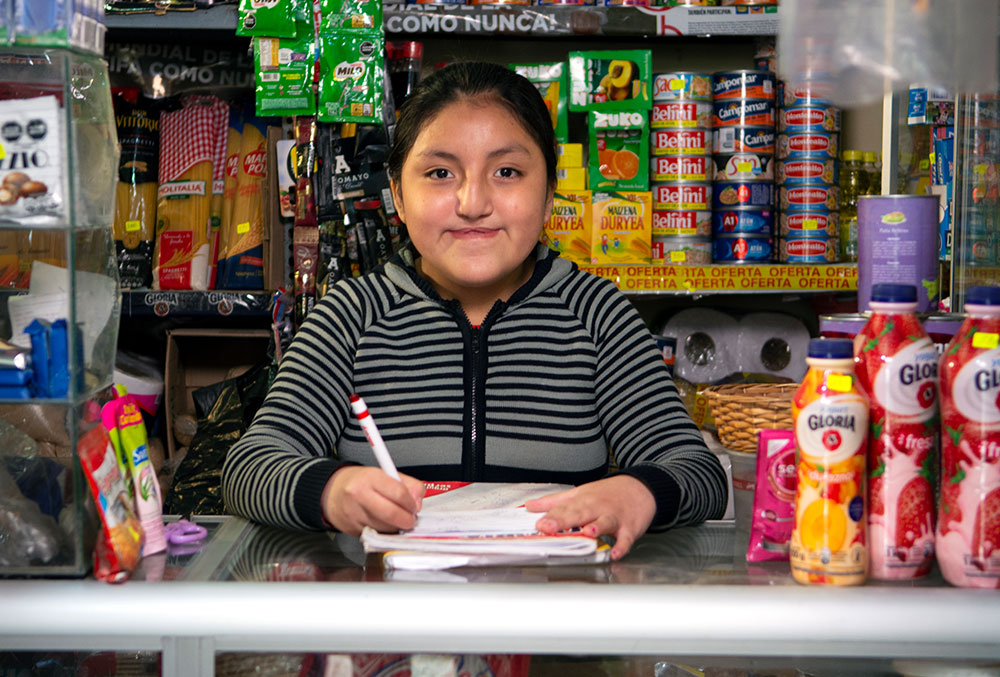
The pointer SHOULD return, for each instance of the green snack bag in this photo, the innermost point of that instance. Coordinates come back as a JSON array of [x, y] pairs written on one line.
[[610, 80], [552, 81], [619, 150], [283, 69], [272, 18], [339, 14], [353, 72]]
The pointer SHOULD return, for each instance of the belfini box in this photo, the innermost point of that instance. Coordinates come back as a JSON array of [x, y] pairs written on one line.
[[622, 226]]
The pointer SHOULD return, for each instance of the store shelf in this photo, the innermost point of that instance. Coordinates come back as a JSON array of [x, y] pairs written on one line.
[[536, 21], [145, 302], [730, 279]]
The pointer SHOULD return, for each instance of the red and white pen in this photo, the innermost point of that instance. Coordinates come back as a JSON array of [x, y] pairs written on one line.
[[360, 410]]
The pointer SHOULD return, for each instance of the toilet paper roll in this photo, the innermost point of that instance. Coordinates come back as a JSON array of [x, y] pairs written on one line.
[[706, 341], [772, 343]]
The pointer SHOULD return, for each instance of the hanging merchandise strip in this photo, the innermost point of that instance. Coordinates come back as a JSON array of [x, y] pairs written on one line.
[[729, 279]]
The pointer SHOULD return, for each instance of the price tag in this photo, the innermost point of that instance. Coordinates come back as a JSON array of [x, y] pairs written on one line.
[[744, 167], [985, 340], [678, 257], [243, 228], [3, 152], [839, 382], [810, 224], [676, 84], [132, 226]]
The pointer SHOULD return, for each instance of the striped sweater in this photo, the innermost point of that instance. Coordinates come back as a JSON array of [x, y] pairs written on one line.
[[555, 377]]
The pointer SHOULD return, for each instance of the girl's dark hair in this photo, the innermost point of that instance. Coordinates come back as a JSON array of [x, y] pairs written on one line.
[[475, 80]]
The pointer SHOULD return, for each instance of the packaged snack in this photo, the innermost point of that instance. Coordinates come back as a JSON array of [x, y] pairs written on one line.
[[568, 229], [32, 182], [275, 18], [610, 80], [244, 240], [283, 69], [774, 497], [234, 136], [622, 227], [339, 14], [552, 81], [351, 83], [619, 146]]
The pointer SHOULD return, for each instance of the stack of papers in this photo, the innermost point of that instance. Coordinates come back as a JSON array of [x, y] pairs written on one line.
[[481, 524]]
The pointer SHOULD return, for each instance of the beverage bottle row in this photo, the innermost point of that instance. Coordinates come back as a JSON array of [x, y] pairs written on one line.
[[860, 174]]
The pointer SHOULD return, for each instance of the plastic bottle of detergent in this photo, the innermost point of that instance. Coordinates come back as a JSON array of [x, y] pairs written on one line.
[[968, 530], [830, 413], [897, 365]]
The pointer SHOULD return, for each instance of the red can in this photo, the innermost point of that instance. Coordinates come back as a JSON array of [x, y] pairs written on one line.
[[680, 141], [675, 114], [687, 196], [663, 168]]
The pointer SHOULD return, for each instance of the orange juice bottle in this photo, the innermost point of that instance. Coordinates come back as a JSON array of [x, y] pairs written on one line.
[[830, 412]]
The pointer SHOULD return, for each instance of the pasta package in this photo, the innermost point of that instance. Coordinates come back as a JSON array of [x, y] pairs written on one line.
[[188, 151], [234, 135], [138, 127], [243, 266], [218, 195]]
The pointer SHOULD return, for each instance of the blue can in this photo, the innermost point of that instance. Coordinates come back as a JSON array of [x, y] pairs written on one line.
[[742, 249], [728, 194], [742, 221]]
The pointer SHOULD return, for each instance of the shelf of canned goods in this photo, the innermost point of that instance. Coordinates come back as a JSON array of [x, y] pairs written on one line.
[[730, 278]]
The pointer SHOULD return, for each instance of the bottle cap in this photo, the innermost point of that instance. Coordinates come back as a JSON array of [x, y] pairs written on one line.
[[894, 293], [983, 296], [831, 349], [851, 155], [409, 50], [871, 156]]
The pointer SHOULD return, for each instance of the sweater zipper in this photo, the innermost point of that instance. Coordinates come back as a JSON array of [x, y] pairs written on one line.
[[477, 453]]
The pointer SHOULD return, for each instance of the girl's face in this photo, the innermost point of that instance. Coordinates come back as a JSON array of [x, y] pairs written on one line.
[[474, 195]]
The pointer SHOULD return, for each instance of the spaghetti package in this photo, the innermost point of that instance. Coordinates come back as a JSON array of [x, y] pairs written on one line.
[[120, 542], [138, 126], [216, 206], [243, 265], [234, 137], [189, 140]]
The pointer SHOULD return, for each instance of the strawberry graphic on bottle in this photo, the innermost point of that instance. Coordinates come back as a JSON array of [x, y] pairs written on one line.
[[968, 531], [897, 365]]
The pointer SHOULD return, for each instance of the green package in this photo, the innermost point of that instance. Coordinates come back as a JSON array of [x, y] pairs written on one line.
[[552, 81], [283, 73], [352, 75], [619, 150], [271, 18], [609, 80], [339, 14]]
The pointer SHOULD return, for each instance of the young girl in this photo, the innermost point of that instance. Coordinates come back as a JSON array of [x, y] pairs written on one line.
[[482, 355]]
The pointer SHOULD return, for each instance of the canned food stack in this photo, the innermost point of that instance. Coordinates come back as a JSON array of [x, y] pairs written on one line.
[[807, 175], [743, 116], [980, 116], [680, 171]]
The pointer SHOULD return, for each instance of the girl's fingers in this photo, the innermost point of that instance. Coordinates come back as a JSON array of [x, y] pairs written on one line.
[[546, 503]]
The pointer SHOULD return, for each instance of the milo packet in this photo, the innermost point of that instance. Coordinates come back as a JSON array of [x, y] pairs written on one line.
[[352, 67], [619, 151], [272, 18], [552, 81], [610, 80], [283, 69], [338, 14]]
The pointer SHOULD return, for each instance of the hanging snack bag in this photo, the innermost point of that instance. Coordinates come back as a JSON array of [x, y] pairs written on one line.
[[120, 542], [622, 227], [244, 263], [135, 200], [568, 229], [619, 148], [339, 14], [610, 80], [32, 189], [188, 140], [351, 83], [552, 81], [266, 17], [283, 70]]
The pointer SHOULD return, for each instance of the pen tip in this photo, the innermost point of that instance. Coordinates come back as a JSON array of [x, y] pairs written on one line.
[[354, 397]]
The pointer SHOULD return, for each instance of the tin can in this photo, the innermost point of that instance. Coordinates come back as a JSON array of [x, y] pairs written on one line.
[[743, 194], [726, 3], [566, 2], [664, 168], [680, 141], [626, 3], [742, 221], [682, 86], [743, 84], [793, 119], [797, 225], [814, 93], [807, 145], [682, 222], [742, 248], [743, 112], [686, 195], [897, 242], [808, 196], [807, 170], [685, 3], [743, 167], [744, 140], [675, 114], [683, 250], [817, 249]]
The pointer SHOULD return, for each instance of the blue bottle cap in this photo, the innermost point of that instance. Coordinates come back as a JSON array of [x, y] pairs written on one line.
[[831, 349], [894, 293], [983, 296]]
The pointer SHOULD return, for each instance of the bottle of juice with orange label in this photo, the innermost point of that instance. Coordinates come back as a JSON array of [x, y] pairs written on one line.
[[897, 365], [968, 529], [830, 412]]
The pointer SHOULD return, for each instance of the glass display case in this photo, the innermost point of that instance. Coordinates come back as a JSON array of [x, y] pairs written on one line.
[[59, 299]]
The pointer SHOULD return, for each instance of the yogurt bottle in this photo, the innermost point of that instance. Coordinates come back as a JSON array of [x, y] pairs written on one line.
[[968, 529], [897, 364], [830, 414]]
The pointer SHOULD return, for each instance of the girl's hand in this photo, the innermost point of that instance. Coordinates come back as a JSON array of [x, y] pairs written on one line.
[[619, 506], [360, 496]]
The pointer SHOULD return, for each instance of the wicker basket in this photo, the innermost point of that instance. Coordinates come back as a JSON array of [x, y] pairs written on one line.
[[742, 410]]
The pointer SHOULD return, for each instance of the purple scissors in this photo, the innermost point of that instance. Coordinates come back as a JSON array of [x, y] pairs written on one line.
[[182, 532]]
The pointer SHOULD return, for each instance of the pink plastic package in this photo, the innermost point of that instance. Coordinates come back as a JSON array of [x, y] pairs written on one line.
[[774, 497]]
